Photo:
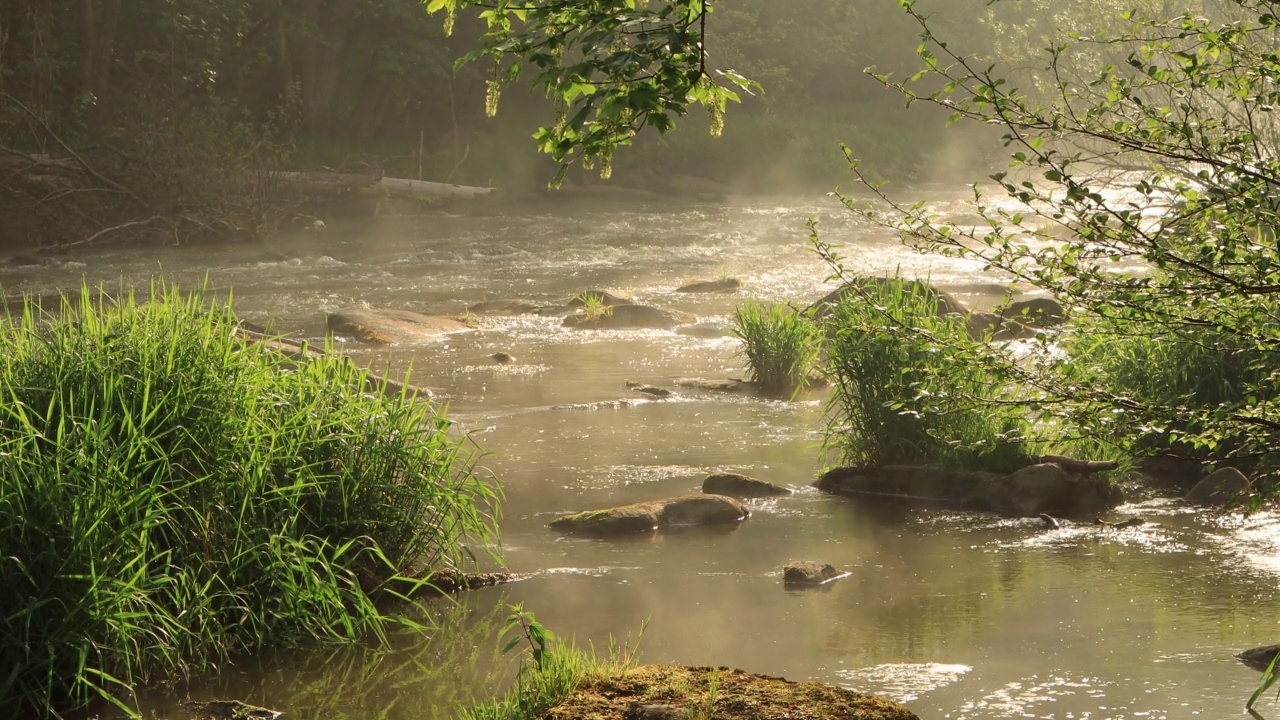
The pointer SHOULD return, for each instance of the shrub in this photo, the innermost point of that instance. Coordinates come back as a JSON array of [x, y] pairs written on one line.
[[779, 343], [1182, 386], [909, 383], [170, 495]]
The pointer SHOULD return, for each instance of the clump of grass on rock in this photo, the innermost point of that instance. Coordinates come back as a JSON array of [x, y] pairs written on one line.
[[171, 495], [911, 386], [780, 345]]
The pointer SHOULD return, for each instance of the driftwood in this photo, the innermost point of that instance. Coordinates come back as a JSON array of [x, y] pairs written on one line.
[[1082, 467], [297, 351], [400, 186], [347, 182]]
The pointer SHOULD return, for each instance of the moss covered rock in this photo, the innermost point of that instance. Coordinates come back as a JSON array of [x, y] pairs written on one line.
[[664, 691], [684, 510]]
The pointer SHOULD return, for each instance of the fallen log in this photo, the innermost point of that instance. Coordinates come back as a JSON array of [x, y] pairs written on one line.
[[425, 188]]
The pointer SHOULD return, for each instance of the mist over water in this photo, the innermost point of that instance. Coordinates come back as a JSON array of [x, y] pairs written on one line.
[[957, 615]]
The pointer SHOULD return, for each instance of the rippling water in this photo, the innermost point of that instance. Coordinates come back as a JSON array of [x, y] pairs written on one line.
[[957, 615]]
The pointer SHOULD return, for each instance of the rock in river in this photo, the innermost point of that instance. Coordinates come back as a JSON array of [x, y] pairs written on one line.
[[665, 692], [807, 573], [1041, 488], [620, 317], [1220, 488], [383, 327], [740, 486], [695, 509], [711, 286]]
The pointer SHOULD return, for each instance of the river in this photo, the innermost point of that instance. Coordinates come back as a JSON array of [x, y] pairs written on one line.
[[956, 615]]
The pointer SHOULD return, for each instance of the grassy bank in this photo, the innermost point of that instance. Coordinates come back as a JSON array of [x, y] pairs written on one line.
[[170, 496]]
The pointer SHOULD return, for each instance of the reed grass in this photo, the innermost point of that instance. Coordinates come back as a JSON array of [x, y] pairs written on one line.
[[779, 343], [171, 496], [908, 388]]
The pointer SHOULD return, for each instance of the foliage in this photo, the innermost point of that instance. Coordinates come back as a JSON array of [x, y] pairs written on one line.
[[1144, 199], [171, 496], [558, 669], [1171, 373], [613, 68], [779, 343], [594, 306], [1269, 679], [911, 387]]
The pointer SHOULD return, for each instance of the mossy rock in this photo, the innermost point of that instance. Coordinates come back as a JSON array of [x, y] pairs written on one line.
[[651, 692], [685, 510]]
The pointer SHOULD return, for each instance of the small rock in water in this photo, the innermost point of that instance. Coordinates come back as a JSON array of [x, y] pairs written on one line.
[[502, 358], [1259, 658], [807, 574], [740, 486], [1049, 521]]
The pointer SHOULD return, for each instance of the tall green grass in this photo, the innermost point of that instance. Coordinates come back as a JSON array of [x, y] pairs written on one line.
[[551, 670], [779, 343], [171, 496], [1183, 387], [910, 386]]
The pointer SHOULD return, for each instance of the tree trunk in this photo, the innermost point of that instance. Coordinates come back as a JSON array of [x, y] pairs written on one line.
[[97, 39]]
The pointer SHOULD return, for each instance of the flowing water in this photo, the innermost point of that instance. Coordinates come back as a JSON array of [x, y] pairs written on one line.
[[956, 615]]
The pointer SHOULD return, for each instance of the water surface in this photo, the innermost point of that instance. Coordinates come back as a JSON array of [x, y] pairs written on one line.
[[956, 615]]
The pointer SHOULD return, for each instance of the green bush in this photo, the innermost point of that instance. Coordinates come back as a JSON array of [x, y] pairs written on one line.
[[908, 384], [170, 496], [1181, 388], [779, 344]]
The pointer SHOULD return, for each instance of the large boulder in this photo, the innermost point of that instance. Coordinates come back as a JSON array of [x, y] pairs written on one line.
[[684, 510], [383, 327], [958, 488], [623, 317], [1036, 312], [740, 486], [1219, 488], [665, 692], [1047, 488], [1042, 488], [877, 286]]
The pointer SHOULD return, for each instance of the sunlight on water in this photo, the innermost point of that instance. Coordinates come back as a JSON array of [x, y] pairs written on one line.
[[902, 682]]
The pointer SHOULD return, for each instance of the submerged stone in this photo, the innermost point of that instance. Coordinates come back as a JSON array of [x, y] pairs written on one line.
[[711, 286], [622, 317], [384, 327], [229, 710]]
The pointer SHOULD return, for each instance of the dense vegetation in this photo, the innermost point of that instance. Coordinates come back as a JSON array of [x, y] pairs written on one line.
[[171, 495], [163, 121]]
